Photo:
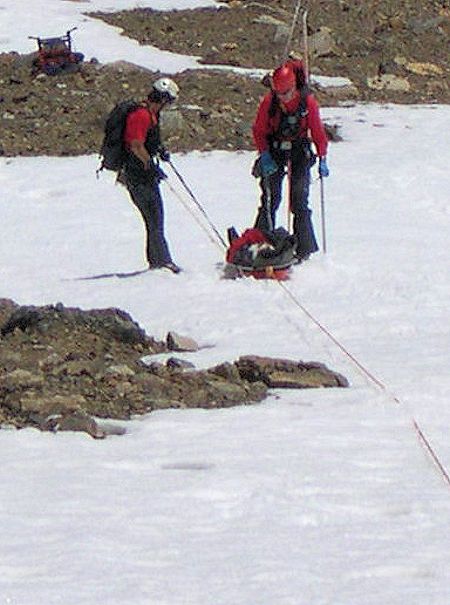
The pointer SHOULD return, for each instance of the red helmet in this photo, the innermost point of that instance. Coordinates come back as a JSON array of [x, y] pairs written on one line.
[[283, 79]]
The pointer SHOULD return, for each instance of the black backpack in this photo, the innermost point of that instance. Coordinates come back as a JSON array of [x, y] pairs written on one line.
[[112, 151]]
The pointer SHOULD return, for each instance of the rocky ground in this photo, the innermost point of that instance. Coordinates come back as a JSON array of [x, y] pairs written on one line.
[[392, 50], [61, 367]]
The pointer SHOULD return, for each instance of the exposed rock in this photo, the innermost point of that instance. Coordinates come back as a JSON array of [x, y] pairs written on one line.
[[75, 421], [281, 34], [288, 374], [63, 369], [119, 371], [227, 370], [389, 82], [340, 93], [269, 20], [421, 69], [179, 364], [333, 132], [177, 342], [65, 114], [32, 402], [322, 43], [420, 25], [20, 379]]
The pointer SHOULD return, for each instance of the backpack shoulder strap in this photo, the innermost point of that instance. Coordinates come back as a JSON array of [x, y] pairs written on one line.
[[274, 106], [302, 110]]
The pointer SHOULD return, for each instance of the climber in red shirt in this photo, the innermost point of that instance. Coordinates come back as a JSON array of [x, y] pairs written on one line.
[[286, 123], [141, 172]]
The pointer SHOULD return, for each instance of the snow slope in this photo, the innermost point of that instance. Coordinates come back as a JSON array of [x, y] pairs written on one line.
[[311, 498]]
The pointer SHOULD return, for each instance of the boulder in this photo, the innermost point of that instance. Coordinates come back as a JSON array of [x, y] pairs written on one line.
[[177, 342]]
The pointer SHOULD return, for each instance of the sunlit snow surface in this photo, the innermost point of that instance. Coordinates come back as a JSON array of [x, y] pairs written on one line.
[[312, 498]]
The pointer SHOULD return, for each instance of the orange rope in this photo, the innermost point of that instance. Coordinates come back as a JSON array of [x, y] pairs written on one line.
[[421, 435]]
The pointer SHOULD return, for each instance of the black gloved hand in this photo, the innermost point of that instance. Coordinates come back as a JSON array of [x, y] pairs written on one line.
[[160, 175], [164, 154], [156, 171]]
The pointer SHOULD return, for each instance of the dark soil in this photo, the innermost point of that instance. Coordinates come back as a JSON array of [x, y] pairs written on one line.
[[64, 115], [57, 360], [368, 37], [61, 366]]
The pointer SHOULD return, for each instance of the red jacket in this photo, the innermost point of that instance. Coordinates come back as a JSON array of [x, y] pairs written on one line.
[[311, 126]]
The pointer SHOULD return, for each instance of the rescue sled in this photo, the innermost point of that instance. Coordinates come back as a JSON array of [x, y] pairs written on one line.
[[259, 255], [55, 55]]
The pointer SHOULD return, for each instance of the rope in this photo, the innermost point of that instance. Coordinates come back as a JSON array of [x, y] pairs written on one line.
[[197, 203], [420, 433], [429, 448], [196, 219]]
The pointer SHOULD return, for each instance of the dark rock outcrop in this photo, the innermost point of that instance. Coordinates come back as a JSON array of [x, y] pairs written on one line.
[[65, 368]]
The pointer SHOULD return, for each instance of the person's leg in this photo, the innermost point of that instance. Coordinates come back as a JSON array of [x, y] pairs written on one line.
[[303, 227], [147, 199], [269, 201]]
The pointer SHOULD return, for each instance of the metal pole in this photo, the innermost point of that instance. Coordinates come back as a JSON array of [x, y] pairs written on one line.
[[197, 203], [322, 212], [305, 46], [291, 32]]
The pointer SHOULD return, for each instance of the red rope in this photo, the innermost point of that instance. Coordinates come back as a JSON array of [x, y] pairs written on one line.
[[422, 438]]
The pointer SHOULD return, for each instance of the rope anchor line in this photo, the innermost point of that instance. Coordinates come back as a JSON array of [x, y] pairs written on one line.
[[423, 439]]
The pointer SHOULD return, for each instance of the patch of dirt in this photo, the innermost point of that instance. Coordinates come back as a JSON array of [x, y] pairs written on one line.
[[368, 39], [368, 36], [64, 114], [61, 366], [57, 360]]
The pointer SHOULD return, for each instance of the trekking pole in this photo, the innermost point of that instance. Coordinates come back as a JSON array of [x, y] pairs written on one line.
[[305, 45], [195, 217], [322, 212], [197, 203]]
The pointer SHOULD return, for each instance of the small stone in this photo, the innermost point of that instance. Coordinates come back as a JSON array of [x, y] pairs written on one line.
[[177, 342], [179, 364]]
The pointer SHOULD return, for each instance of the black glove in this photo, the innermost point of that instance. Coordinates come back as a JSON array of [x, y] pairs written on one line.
[[160, 175], [164, 154], [156, 171]]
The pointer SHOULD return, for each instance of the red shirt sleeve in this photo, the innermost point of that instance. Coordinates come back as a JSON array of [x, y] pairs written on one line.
[[315, 125], [137, 125], [262, 126]]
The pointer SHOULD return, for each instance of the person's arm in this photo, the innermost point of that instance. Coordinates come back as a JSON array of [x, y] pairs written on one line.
[[139, 150], [261, 126], [318, 134]]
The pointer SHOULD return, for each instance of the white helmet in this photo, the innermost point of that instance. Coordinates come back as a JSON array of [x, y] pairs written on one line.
[[167, 89]]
